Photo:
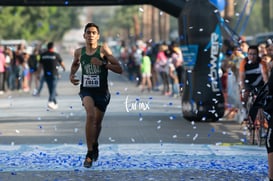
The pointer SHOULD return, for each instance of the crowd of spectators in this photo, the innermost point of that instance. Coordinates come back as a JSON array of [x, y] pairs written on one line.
[[152, 66], [18, 68], [163, 61], [159, 67], [232, 56]]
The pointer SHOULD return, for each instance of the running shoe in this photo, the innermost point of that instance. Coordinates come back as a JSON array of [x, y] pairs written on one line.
[[88, 160], [52, 105]]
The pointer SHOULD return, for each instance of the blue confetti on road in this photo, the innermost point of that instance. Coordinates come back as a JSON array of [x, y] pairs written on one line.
[[134, 156]]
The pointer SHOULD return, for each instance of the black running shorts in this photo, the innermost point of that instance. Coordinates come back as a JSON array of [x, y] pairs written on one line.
[[101, 100]]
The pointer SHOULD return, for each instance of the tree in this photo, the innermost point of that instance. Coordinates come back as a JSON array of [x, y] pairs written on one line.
[[122, 22], [37, 23]]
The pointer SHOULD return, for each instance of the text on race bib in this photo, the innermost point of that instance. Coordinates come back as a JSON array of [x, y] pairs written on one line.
[[91, 81]]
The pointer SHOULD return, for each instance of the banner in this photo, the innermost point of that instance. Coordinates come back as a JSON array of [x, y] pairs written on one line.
[[202, 98]]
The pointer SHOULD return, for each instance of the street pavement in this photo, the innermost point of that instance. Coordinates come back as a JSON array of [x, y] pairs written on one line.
[[144, 137]]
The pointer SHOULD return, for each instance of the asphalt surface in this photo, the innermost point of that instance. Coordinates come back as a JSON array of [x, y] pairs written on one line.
[[144, 137]]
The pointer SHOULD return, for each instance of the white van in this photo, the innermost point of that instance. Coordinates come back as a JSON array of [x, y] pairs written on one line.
[[12, 43]]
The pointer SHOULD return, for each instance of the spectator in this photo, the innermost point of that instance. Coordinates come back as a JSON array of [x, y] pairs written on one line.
[[2, 69], [262, 49], [233, 91], [33, 66], [269, 50], [146, 72], [173, 73], [244, 48], [137, 62], [124, 53], [152, 53], [9, 58], [19, 71], [49, 62], [26, 69], [131, 66], [177, 60], [162, 68], [252, 73], [268, 60]]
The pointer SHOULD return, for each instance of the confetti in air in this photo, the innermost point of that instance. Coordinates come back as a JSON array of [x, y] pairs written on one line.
[[80, 142], [195, 137], [111, 139], [212, 130]]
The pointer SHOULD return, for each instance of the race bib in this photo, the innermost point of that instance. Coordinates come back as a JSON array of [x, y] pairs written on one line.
[[91, 80]]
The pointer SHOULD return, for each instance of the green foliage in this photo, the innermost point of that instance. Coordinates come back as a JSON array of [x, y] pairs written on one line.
[[37, 23], [255, 23], [123, 18]]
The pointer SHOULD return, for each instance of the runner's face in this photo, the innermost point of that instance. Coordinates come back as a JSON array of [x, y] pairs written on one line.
[[91, 35]]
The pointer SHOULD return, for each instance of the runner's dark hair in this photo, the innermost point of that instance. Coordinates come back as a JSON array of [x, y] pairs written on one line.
[[88, 25]]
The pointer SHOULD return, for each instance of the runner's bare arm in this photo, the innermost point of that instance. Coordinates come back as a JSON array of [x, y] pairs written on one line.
[[113, 63], [74, 67]]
